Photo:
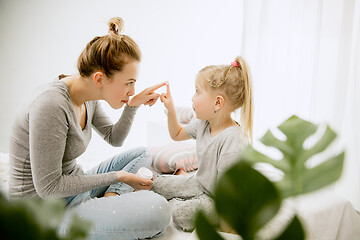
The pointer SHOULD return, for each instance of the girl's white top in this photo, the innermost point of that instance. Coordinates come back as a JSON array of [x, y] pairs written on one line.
[[215, 154]]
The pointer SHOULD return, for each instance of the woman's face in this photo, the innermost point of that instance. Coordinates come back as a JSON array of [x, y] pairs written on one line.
[[121, 85], [203, 100]]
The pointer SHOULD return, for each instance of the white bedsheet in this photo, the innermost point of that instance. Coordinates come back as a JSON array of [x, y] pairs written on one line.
[[329, 216], [172, 232], [325, 215]]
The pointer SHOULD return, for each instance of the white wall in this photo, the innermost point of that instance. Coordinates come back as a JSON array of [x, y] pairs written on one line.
[[41, 39]]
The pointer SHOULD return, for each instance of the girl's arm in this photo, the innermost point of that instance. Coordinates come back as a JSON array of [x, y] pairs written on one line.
[[176, 131]]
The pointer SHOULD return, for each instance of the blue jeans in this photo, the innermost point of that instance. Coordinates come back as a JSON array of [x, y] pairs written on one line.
[[131, 215]]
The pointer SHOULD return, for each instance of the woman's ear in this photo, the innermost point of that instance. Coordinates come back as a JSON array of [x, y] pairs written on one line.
[[219, 102], [98, 78]]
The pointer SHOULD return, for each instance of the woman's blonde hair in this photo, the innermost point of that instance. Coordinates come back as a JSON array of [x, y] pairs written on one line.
[[108, 53], [235, 82]]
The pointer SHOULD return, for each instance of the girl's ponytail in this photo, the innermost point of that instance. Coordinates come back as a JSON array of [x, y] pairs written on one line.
[[246, 120]]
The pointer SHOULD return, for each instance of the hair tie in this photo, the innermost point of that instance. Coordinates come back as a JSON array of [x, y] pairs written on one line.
[[235, 64], [114, 28]]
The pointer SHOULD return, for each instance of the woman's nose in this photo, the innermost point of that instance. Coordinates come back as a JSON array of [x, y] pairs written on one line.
[[131, 91]]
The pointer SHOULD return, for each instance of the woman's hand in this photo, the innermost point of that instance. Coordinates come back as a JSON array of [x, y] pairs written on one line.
[[136, 182], [146, 97], [166, 97]]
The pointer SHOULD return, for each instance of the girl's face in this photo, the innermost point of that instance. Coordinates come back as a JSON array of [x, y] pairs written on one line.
[[121, 85], [203, 100]]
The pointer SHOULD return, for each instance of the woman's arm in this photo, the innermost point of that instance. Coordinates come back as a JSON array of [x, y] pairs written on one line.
[[115, 134], [48, 137], [133, 180], [176, 130]]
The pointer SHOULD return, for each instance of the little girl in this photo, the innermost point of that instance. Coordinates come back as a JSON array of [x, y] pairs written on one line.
[[220, 90]]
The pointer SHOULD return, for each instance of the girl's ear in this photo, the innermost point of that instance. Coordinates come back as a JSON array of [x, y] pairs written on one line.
[[98, 78], [219, 102]]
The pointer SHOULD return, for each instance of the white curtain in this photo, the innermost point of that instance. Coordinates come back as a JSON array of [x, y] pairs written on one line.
[[305, 60]]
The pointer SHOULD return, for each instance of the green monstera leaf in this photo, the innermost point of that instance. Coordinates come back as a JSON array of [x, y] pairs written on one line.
[[39, 219], [246, 200], [294, 231], [251, 195], [298, 178], [204, 229]]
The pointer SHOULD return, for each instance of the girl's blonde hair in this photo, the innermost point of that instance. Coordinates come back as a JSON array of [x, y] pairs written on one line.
[[235, 82], [108, 53]]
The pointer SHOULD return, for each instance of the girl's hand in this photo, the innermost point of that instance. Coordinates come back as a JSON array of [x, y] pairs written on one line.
[[166, 97], [146, 97], [136, 182]]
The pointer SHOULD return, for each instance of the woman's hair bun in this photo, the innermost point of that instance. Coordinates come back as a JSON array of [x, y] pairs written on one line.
[[116, 25], [108, 53]]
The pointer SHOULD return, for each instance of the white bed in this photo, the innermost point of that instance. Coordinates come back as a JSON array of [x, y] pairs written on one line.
[[325, 215]]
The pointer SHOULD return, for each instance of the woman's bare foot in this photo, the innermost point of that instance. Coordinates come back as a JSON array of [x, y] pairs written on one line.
[[180, 172], [110, 194]]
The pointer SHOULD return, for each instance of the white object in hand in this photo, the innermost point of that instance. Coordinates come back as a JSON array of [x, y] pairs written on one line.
[[145, 173]]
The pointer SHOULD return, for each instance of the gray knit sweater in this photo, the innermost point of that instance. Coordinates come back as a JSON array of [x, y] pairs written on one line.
[[215, 154], [46, 139]]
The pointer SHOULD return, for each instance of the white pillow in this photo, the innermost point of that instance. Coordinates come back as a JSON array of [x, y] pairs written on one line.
[[184, 114], [172, 157]]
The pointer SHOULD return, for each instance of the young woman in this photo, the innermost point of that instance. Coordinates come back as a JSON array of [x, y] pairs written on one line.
[[54, 128]]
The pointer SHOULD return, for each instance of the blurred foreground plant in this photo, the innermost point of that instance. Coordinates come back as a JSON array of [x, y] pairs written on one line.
[[37, 219], [246, 200]]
